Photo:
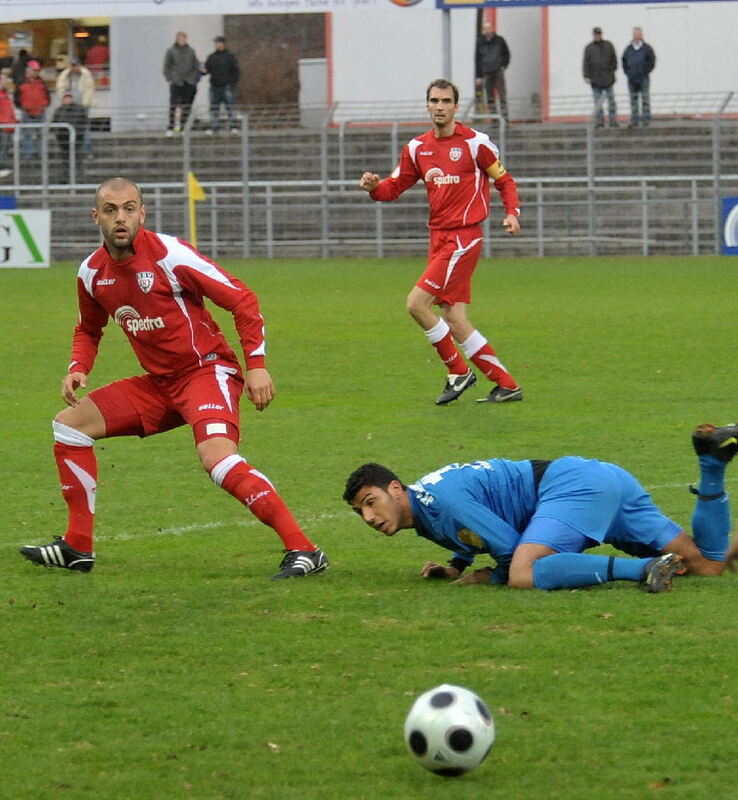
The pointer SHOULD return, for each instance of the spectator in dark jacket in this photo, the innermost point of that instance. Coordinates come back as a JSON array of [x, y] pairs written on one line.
[[182, 71], [19, 67], [74, 114], [222, 66], [600, 63], [491, 59], [639, 60]]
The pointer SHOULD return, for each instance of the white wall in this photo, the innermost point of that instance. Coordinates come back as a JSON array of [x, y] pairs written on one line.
[[137, 48], [521, 29], [694, 44], [394, 53]]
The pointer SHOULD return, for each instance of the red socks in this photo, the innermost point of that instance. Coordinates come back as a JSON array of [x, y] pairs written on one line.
[[480, 353], [78, 473], [77, 465], [257, 493], [440, 337]]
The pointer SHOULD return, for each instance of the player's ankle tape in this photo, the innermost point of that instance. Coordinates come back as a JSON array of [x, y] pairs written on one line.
[[707, 497]]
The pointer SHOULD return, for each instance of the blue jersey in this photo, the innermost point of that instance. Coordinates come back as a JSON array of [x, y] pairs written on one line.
[[481, 507]]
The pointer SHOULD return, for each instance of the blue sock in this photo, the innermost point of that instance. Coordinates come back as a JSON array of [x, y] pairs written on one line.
[[576, 570], [712, 475], [711, 527]]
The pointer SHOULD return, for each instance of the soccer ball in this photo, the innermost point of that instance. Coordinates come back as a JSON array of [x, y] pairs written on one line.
[[449, 730]]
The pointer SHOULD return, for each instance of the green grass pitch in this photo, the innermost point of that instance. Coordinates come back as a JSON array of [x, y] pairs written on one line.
[[178, 670]]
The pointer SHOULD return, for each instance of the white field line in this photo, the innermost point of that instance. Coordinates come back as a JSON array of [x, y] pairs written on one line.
[[249, 522], [183, 530]]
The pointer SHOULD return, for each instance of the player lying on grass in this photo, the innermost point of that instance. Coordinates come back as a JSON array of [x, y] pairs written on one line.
[[535, 518], [154, 287]]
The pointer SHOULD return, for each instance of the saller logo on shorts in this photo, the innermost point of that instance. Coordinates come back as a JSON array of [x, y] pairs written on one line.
[[435, 176], [130, 320]]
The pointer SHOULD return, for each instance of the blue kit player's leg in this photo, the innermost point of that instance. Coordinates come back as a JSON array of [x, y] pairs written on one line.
[[715, 447], [551, 553], [579, 500], [578, 570]]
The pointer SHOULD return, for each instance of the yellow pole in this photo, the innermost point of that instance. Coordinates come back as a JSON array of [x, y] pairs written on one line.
[[194, 192]]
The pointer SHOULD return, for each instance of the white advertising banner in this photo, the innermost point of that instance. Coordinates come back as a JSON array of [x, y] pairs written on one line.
[[18, 10], [25, 238]]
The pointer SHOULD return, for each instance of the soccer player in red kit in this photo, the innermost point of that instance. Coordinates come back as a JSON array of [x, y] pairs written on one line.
[[153, 286], [456, 164]]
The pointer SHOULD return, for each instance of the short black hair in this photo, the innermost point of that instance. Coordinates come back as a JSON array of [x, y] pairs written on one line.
[[368, 475], [442, 83]]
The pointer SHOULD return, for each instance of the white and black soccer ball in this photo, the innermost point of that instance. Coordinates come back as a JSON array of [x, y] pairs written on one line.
[[449, 730]]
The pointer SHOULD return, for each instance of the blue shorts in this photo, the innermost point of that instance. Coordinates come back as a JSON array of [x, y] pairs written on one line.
[[583, 503]]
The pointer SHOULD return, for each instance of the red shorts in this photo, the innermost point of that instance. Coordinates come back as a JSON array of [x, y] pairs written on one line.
[[452, 257], [206, 399]]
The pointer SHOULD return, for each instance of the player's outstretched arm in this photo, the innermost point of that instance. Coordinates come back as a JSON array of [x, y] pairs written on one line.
[[70, 383], [433, 570], [369, 181], [259, 388]]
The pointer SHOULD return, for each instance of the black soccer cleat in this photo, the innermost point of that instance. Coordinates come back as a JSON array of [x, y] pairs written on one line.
[[59, 554], [299, 563], [722, 443], [455, 386], [657, 574], [501, 395]]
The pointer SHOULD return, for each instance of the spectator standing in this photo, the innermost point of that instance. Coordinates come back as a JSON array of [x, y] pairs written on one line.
[[491, 59], [97, 59], [7, 115], [19, 67], [75, 114], [79, 82], [182, 71], [32, 97], [222, 66], [639, 60], [600, 64]]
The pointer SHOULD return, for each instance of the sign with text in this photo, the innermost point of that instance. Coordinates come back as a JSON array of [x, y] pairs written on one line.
[[533, 3], [25, 238], [16, 10], [730, 226]]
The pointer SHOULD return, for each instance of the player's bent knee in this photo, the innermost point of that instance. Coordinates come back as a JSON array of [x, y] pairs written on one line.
[[84, 419], [521, 579], [215, 440]]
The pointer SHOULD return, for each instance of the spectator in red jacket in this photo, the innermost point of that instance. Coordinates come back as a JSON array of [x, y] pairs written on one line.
[[98, 56], [32, 97], [7, 115]]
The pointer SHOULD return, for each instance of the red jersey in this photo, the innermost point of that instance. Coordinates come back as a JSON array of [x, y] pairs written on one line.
[[453, 169], [157, 298], [7, 109], [33, 97]]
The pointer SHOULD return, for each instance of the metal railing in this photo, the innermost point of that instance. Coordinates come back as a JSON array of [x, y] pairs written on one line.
[[585, 207], [561, 216]]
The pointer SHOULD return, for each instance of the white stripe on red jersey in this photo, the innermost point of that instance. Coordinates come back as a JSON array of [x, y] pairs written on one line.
[[157, 297]]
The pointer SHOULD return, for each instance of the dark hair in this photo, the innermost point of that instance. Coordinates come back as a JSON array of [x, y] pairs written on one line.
[[442, 83], [368, 475], [118, 183]]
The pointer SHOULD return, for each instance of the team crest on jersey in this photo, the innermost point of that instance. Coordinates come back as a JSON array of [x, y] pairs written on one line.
[[455, 153], [145, 281], [470, 538]]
